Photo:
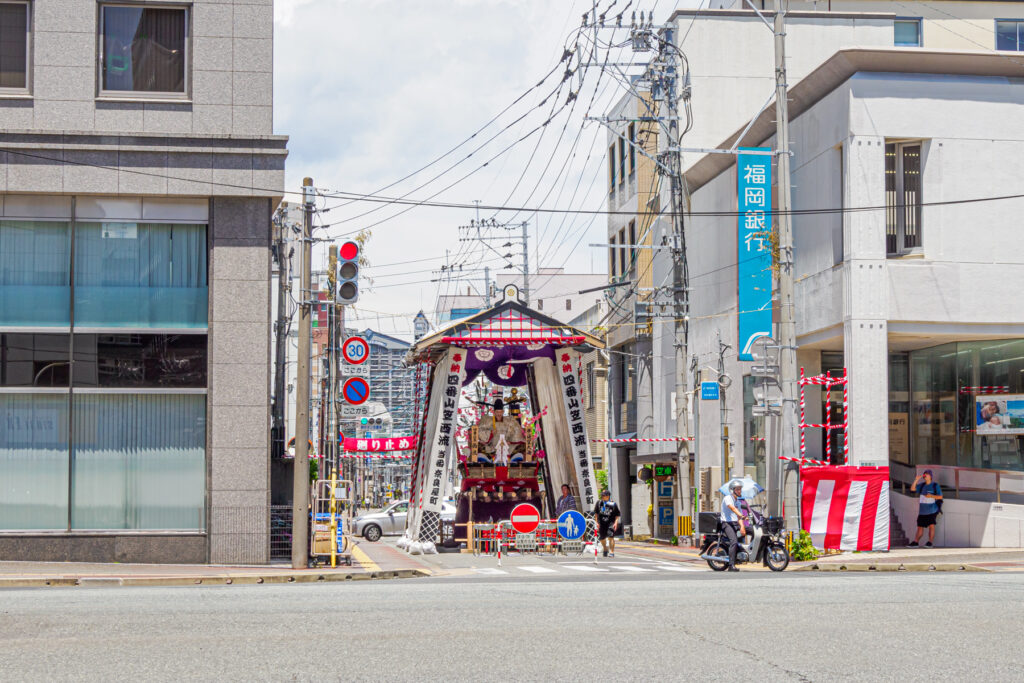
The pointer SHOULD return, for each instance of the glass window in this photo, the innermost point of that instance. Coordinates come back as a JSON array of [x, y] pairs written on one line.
[[138, 461], [990, 372], [140, 360], [33, 461], [933, 405], [140, 275], [34, 360], [907, 32], [632, 148], [902, 197], [1010, 34], [623, 269], [754, 435], [612, 270], [14, 28], [143, 49], [35, 270], [622, 160], [611, 169], [899, 407]]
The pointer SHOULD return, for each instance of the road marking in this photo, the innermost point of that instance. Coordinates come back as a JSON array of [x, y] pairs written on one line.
[[584, 568], [678, 568], [540, 570], [364, 560], [630, 568], [489, 570]]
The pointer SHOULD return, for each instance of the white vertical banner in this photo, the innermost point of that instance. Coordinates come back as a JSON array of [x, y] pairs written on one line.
[[566, 361], [439, 448]]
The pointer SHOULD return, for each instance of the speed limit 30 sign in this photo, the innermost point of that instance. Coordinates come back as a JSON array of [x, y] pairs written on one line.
[[355, 350]]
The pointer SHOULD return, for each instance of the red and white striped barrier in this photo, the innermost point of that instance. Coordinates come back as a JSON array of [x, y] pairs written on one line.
[[671, 438], [803, 461], [997, 389]]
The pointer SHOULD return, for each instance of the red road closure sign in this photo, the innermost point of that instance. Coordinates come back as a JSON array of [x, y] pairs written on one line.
[[355, 350], [394, 443], [525, 518]]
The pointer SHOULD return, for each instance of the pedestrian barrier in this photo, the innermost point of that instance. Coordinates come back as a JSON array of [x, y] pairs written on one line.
[[685, 526]]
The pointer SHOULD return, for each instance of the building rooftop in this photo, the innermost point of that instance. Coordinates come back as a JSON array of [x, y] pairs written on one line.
[[836, 71]]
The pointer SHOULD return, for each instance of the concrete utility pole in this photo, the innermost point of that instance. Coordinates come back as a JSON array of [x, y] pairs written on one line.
[[487, 286], [300, 473], [680, 276], [333, 344], [787, 319], [281, 336]]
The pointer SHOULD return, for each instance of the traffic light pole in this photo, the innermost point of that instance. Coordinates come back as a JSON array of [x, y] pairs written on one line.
[[300, 471]]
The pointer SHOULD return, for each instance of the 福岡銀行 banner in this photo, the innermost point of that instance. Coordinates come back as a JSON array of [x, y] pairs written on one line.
[[753, 246]]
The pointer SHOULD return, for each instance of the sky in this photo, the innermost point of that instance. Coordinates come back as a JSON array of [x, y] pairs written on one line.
[[372, 91]]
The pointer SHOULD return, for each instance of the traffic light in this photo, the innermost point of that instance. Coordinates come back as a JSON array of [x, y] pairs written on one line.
[[348, 273], [363, 421]]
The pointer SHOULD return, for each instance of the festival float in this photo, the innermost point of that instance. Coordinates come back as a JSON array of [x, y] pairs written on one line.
[[518, 447]]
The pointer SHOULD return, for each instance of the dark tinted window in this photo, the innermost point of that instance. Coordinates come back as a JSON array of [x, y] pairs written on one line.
[[140, 360], [33, 360], [13, 45], [144, 49]]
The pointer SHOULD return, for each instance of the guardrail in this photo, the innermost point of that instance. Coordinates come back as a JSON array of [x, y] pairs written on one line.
[[961, 479]]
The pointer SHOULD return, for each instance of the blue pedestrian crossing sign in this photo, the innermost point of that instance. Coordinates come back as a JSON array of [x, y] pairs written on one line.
[[571, 525]]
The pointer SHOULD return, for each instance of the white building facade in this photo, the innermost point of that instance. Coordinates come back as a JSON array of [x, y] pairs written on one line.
[[902, 288]]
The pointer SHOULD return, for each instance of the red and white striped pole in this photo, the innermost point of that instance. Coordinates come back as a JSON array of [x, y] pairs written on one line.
[[846, 418], [828, 416], [803, 424]]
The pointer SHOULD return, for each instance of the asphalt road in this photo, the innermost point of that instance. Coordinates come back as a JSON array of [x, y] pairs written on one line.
[[694, 626]]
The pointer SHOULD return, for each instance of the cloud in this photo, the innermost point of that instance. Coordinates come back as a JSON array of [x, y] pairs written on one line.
[[370, 90]]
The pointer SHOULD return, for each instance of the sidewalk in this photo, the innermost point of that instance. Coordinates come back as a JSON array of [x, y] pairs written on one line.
[[921, 559], [368, 562]]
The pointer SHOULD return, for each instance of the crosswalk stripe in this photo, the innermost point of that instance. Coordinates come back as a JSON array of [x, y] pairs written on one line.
[[489, 570], [630, 568], [678, 568], [540, 570], [585, 568]]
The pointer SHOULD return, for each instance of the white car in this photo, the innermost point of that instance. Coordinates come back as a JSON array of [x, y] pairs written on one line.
[[391, 520]]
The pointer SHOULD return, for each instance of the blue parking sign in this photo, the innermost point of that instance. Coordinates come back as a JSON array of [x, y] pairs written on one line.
[[571, 525]]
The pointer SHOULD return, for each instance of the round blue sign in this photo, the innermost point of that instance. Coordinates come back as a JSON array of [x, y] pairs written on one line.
[[571, 525], [356, 390]]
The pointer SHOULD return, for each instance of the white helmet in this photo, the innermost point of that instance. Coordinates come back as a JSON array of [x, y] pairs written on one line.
[[735, 484]]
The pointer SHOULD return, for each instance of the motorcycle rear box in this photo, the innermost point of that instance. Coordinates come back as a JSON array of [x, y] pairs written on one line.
[[707, 522]]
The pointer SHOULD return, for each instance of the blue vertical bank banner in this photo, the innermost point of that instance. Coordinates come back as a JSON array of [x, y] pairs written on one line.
[[753, 246]]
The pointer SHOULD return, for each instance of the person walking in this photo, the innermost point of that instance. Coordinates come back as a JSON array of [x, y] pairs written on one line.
[[607, 514], [565, 503], [930, 495]]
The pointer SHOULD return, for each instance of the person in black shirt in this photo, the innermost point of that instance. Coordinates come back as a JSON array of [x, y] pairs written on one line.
[[607, 514]]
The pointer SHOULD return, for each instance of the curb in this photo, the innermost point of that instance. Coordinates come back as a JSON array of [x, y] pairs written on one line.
[[212, 580], [890, 567]]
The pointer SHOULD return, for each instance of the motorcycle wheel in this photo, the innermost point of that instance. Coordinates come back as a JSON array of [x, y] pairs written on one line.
[[776, 557], [718, 551]]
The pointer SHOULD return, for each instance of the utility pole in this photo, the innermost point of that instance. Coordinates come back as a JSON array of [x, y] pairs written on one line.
[[723, 426], [487, 286], [787, 318], [300, 473], [526, 263], [281, 336], [680, 273], [333, 344]]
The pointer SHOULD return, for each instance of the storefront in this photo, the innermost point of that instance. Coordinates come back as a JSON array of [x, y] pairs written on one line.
[[958, 404], [103, 367]]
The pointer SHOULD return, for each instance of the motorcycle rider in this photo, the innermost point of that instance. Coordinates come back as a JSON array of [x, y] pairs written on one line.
[[733, 521]]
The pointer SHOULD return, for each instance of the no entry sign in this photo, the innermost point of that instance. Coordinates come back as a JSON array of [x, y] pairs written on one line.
[[355, 350], [525, 518], [356, 390]]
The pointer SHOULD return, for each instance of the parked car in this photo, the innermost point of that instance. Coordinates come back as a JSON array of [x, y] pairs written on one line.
[[391, 520]]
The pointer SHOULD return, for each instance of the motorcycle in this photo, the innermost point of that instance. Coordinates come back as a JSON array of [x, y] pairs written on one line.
[[766, 544]]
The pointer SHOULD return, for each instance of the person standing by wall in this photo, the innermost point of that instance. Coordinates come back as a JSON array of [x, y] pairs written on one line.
[[566, 502], [930, 495]]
